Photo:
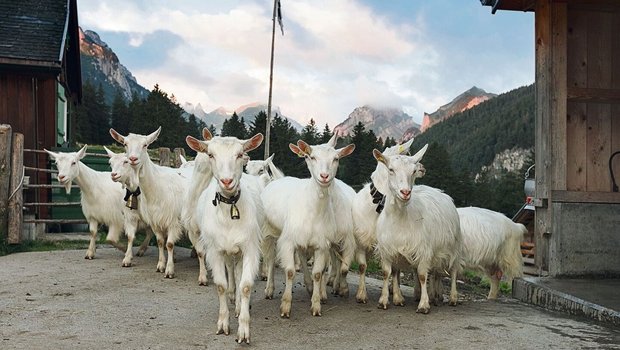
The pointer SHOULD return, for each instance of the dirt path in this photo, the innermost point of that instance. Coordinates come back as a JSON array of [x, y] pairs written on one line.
[[58, 300]]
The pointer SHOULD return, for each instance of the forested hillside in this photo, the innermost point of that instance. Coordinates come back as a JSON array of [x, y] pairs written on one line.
[[473, 138]]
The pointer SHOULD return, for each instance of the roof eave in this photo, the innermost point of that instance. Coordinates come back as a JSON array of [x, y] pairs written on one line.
[[510, 5]]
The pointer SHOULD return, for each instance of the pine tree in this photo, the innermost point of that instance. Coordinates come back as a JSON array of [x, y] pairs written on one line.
[[234, 126], [326, 134], [310, 133], [119, 114]]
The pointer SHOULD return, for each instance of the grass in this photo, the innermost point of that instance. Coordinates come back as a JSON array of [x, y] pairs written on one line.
[[46, 245], [478, 281]]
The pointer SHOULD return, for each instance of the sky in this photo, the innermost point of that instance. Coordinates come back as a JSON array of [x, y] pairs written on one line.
[[334, 56]]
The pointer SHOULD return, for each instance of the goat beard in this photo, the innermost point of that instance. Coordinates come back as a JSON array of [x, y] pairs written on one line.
[[68, 187]]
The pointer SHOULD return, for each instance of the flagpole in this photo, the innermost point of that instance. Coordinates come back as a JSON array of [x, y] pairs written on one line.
[[273, 40]]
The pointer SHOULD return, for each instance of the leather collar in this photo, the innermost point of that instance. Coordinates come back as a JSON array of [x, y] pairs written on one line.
[[378, 198], [234, 211]]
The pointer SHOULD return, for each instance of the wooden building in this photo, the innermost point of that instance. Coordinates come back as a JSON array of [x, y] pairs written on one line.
[[39, 72], [577, 42]]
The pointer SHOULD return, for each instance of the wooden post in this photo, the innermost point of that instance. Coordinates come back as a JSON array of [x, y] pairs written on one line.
[[178, 152], [542, 144], [164, 156], [15, 197], [6, 134]]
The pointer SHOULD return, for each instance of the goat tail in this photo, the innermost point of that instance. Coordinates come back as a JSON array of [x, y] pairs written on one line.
[[512, 261]]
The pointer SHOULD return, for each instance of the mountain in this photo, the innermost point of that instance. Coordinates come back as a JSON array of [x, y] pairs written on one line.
[[247, 112], [473, 138], [100, 65], [462, 102], [385, 122], [215, 117]]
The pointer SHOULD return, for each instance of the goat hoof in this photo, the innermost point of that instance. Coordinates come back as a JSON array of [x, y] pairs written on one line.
[[382, 306], [361, 300], [452, 303], [203, 283], [169, 275], [128, 264], [423, 310]]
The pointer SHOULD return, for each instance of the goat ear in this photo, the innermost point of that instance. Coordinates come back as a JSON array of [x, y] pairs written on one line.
[[117, 137], [253, 143], [418, 156], [345, 151], [296, 150], [404, 148], [304, 147], [53, 155], [110, 153], [332, 141], [379, 156], [153, 136], [206, 134], [195, 144], [82, 152]]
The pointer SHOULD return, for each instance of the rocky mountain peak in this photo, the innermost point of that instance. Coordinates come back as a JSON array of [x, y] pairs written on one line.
[[385, 122], [462, 102]]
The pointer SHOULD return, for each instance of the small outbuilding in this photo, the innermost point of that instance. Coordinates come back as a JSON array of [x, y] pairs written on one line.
[[577, 222]]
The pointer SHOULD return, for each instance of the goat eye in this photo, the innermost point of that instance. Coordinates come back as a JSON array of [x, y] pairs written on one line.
[[210, 155], [239, 155], [391, 171], [73, 163], [312, 158]]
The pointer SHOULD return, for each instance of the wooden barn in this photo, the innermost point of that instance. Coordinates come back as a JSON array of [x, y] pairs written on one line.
[[577, 43], [40, 75]]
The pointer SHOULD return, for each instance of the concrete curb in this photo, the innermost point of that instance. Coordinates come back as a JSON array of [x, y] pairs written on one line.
[[532, 291]]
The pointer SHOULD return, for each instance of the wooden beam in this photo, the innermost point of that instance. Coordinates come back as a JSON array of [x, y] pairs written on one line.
[[593, 95], [542, 128], [586, 197], [559, 31], [16, 196]]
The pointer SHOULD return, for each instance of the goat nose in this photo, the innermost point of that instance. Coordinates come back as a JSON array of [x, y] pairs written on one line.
[[405, 193], [61, 177], [113, 174], [324, 176], [226, 182], [133, 158]]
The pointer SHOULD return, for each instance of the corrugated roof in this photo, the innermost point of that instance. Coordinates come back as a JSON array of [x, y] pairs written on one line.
[[33, 29]]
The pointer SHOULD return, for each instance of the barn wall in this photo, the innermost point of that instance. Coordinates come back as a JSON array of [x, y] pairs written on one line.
[[593, 74], [577, 130], [28, 104], [585, 240]]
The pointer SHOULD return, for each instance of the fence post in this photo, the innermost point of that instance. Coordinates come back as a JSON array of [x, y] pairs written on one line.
[[178, 152], [15, 196], [6, 134], [164, 156]]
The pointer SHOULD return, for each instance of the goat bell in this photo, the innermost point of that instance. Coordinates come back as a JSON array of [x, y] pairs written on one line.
[[132, 202]]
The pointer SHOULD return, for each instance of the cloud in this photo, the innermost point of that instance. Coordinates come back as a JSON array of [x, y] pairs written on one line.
[[335, 55]]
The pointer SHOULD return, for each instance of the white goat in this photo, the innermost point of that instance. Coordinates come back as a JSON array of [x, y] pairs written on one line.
[[419, 227], [185, 163], [264, 169], [367, 205], [302, 215], [124, 174], [491, 244], [101, 198], [164, 191], [231, 217]]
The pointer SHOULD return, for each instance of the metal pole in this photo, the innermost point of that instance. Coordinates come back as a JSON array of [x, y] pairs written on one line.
[[273, 39]]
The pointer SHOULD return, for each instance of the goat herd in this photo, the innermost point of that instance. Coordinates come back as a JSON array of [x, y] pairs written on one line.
[[233, 218]]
